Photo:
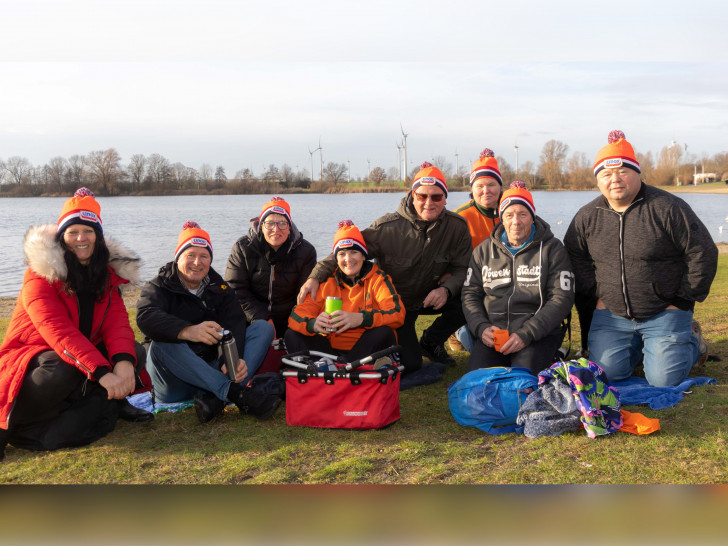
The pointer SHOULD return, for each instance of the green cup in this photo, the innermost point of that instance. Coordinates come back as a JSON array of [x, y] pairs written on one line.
[[332, 304]]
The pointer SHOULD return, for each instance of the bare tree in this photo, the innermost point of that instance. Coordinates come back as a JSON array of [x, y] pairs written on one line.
[[56, 172], [105, 168], [76, 174], [580, 172], [179, 174], [377, 175], [220, 177], [287, 176], [445, 166], [272, 174], [19, 169], [508, 175], [136, 170], [335, 172], [158, 169], [551, 169]]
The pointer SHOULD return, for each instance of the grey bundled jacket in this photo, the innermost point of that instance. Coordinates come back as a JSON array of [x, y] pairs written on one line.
[[528, 294], [654, 254]]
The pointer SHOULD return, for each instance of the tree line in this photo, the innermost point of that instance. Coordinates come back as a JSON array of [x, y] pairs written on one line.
[[105, 173]]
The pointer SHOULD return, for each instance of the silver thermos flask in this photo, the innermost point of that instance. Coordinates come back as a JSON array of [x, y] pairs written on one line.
[[230, 353]]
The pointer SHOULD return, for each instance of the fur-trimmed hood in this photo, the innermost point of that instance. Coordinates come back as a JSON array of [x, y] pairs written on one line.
[[44, 256]]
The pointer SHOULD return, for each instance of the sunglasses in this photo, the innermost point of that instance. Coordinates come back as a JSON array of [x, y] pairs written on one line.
[[422, 197]]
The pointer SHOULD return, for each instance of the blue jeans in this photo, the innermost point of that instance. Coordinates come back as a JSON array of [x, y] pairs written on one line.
[[179, 374], [466, 338], [664, 344]]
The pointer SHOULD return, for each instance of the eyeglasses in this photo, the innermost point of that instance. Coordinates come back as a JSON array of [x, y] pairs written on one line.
[[270, 225], [422, 197]]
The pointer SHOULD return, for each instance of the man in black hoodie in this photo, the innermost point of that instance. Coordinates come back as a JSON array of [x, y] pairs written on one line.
[[641, 258]]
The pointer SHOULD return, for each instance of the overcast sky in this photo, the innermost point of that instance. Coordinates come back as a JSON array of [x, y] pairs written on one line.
[[249, 83]]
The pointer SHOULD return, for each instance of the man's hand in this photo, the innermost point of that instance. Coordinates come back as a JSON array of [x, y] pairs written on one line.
[[309, 287], [344, 320], [208, 332], [513, 345], [241, 372], [436, 298], [487, 337]]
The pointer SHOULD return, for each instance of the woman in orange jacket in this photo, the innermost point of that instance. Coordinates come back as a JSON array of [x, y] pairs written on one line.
[[371, 308]]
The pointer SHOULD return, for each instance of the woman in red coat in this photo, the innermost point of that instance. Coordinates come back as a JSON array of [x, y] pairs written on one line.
[[69, 358]]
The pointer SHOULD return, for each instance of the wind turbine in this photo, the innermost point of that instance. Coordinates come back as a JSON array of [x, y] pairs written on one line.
[[404, 145], [457, 166], [515, 147], [369, 168], [311, 152], [321, 157], [399, 157]]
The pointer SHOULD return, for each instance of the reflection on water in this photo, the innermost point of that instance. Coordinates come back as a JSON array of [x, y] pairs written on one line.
[[150, 225]]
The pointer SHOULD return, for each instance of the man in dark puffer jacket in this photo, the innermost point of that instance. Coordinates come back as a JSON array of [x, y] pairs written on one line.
[[641, 258]]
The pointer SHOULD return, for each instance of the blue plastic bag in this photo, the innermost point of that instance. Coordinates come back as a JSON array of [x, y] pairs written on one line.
[[489, 398]]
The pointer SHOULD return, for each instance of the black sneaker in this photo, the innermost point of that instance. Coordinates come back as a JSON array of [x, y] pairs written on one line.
[[436, 353], [208, 406], [261, 406]]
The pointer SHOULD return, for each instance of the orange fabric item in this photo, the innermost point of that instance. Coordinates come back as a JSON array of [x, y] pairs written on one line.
[[374, 296], [348, 237], [192, 235], [479, 225], [486, 166], [636, 423], [617, 153]]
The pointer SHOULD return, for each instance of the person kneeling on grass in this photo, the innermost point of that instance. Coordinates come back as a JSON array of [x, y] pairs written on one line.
[[371, 309], [183, 312]]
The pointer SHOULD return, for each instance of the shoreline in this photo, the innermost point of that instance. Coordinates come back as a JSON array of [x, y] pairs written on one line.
[[131, 293]]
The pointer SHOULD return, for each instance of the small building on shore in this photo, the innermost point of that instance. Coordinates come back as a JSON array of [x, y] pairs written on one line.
[[704, 178]]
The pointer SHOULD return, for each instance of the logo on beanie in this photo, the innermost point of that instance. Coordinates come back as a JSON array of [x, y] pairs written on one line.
[[279, 210], [428, 180], [614, 162], [344, 243], [89, 216], [197, 241]]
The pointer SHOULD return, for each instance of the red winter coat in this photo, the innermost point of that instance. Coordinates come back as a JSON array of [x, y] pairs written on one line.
[[46, 318]]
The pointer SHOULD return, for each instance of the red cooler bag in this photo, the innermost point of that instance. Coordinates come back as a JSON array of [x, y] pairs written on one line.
[[356, 399]]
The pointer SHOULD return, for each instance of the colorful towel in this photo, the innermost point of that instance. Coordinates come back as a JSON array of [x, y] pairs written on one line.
[[144, 401], [636, 390], [597, 400]]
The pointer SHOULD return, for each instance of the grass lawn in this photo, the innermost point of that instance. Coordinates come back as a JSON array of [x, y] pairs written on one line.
[[425, 447]]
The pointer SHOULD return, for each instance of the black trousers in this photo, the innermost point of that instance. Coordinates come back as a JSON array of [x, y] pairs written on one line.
[[536, 357], [451, 318], [57, 407], [372, 340]]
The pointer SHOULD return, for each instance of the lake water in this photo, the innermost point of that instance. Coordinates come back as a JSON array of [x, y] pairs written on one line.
[[150, 225]]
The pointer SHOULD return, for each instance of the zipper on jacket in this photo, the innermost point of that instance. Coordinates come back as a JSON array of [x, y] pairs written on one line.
[[271, 278], [621, 265], [78, 362]]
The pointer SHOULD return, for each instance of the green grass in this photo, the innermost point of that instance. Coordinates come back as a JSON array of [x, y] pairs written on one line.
[[426, 446]]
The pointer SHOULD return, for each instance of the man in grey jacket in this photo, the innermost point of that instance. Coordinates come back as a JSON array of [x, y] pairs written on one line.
[[519, 280], [425, 249], [642, 258]]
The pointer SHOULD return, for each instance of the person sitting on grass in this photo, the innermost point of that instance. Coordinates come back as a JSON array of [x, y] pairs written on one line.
[[371, 309], [268, 266], [183, 312], [519, 280], [69, 359]]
